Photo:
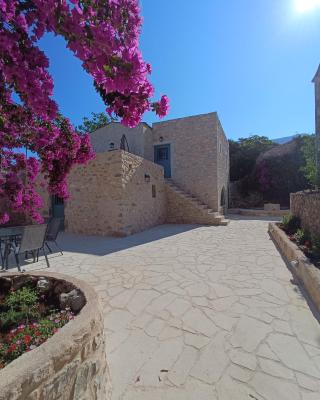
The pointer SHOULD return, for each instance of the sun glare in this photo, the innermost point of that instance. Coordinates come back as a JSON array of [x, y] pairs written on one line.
[[303, 6]]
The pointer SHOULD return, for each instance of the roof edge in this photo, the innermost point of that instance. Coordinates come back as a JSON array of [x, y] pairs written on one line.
[[187, 117], [117, 122], [317, 75]]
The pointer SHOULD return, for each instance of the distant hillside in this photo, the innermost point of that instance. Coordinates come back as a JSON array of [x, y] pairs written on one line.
[[287, 138], [284, 139]]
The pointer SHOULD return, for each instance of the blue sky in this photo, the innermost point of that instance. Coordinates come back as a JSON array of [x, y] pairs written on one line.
[[252, 61]]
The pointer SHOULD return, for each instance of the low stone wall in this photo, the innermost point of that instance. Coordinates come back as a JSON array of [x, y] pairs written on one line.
[[306, 206], [307, 274], [71, 365], [258, 212]]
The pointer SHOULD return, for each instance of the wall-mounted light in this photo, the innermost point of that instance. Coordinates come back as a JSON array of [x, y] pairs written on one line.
[[147, 178], [161, 139]]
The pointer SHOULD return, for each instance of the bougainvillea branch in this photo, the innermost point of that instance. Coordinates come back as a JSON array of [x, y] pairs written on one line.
[[104, 35]]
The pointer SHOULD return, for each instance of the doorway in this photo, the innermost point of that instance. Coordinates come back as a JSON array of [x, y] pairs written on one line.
[[58, 208], [162, 156]]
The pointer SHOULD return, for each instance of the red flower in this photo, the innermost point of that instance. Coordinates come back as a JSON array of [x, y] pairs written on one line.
[[27, 339], [12, 348], [37, 333]]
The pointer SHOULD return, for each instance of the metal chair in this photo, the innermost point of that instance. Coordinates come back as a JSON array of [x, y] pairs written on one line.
[[33, 240], [54, 227], [8, 236]]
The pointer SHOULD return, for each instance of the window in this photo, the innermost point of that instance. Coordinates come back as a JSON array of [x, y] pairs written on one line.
[[57, 200], [154, 193], [163, 154]]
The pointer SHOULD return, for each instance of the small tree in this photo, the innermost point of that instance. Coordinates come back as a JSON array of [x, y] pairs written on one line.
[[309, 153], [104, 35], [98, 120], [244, 153]]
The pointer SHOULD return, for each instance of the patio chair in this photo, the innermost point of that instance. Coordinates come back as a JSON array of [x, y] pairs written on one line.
[[54, 227], [33, 240]]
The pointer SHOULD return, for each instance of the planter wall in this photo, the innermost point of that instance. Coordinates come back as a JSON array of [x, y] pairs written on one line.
[[307, 274], [71, 365], [306, 206]]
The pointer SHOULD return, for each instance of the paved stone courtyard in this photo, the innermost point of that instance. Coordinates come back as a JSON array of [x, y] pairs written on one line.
[[199, 313]]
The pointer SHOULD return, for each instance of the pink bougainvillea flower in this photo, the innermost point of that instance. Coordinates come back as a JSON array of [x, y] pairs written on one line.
[[104, 35]]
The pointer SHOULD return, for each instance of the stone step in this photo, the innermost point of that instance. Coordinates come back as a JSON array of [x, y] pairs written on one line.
[[214, 213], [214, 217]]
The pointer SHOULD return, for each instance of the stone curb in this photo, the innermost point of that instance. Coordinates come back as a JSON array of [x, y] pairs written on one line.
[[307, 274], [55, 369], [258, 213]]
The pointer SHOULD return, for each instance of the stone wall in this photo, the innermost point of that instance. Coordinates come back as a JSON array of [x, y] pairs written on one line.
[[306, 206], [139, 209], [222, 166], [195, 142], [139, 139], [71, 365], [112, 195]]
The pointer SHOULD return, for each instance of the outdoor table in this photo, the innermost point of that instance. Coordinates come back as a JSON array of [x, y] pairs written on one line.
[[7, 235]]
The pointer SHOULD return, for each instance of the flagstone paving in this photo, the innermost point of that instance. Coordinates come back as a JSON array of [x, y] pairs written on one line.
[[200, 313]]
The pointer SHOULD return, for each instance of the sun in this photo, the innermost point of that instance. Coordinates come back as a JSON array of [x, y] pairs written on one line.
[[303, 6]]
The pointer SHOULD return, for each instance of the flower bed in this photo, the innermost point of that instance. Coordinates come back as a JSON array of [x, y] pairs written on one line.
[[306, 273], [25, 338], [308, 243], [51, 339], [30, 314]]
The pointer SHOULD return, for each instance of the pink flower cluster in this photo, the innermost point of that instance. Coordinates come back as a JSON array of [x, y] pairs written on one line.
[[104, 36]]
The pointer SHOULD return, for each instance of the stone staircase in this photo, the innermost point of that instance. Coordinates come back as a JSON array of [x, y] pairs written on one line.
[[185, 208]]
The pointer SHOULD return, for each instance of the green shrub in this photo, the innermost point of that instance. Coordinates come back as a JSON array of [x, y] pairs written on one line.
[[20, 306], [301, 236], [291, 223], [22, 297]]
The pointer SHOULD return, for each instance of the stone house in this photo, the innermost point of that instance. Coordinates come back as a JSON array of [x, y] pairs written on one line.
[[176, 171]]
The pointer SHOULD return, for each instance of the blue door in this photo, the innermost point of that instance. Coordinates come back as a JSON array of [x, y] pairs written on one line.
[[162, 157], [58, 208]]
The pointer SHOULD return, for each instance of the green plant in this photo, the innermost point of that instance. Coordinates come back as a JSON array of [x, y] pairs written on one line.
[[24, 296], [309, 152], [96, 121], [301, 236], [291, 223], [20, 307], [244, 153]]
